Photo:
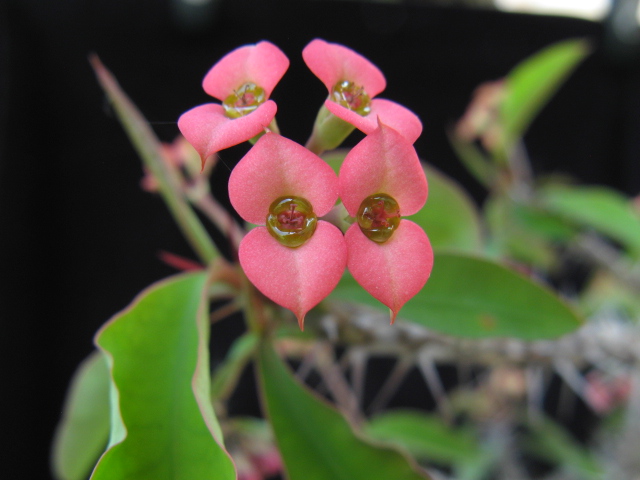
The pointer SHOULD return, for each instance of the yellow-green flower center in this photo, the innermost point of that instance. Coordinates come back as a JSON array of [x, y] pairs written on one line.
[[352, 96], [244, 100], [291, 221], [378, 217]]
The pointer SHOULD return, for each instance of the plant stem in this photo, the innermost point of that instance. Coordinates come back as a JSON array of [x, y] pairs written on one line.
[[148, 147]]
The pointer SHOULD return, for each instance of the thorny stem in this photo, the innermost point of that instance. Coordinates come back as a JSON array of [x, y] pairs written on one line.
[[598, 339], [335, 382]]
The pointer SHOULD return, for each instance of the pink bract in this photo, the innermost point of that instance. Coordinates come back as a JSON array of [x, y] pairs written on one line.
[[296, 278], [394, 271], [390, 113], [276, 167], [207, 127], [332, 63], [209, 130], [383, 162], [263, 64]]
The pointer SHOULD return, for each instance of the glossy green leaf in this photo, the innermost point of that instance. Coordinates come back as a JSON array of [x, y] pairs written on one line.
[[163, 426], [599, 208], [449, 217], [315, 441], [424, 436], [531, 84], [473, 297], [83, 431]]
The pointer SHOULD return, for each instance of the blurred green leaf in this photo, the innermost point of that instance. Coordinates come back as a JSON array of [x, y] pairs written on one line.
[[227, 374], [599, 208], [523, 233], [550, 441], [163, 427], [335, 158], [449, 217], [315, 441], [83, 431], [425, 436], [531, 84], [473, 297], [474, 161], [606, 293]]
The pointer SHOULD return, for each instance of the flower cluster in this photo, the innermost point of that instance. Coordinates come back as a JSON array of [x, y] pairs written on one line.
[[293, 257]]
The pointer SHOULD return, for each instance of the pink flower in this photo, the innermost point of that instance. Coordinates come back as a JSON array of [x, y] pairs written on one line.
[[243, 81], [296, 260], [353, 82], [380, 179]]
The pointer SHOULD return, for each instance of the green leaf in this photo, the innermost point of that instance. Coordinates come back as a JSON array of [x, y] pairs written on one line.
[[335, 158], [425, 436], [473, 297], [163, 426], [449, 217], [519, 233], [474, 161], [602, 209], [315, 441], [551, 442], [228, 373], [531, 84], [606, 293], [83, 431]]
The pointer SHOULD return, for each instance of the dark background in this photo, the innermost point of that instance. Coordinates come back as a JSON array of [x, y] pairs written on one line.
[[79, 239]]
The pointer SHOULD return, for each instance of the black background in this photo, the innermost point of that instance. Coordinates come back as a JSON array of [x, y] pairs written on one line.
[[79, 238]]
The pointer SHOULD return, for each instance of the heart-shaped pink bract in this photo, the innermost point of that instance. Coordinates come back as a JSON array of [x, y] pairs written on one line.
[[207, 127], [383, 162], [296, 278], [393, 271]]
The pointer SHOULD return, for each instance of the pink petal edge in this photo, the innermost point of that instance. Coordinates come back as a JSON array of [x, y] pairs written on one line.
[[277, 167], [394, 271], [263, 64], [387, 112], [332, 62], [208, 129], [295, 278], [383, 162]]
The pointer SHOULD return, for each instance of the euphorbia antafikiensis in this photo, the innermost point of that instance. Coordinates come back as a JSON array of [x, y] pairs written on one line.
[[243, 81]]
